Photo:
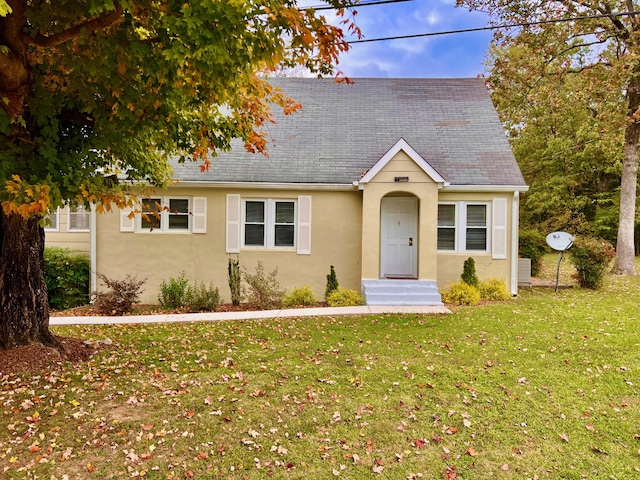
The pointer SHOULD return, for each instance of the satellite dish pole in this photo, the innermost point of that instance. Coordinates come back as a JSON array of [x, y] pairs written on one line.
[[560, 241]]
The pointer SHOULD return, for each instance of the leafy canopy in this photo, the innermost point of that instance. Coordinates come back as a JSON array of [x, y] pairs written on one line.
[[92, 90]]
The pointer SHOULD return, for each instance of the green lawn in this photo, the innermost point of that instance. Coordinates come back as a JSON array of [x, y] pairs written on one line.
[[543, 386]]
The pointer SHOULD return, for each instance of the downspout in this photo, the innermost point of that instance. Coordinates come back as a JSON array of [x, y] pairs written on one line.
[[92, 252], [515, 222]]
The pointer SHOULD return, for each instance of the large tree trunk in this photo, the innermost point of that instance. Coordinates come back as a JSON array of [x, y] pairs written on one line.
[[625, 245], [24, 307]]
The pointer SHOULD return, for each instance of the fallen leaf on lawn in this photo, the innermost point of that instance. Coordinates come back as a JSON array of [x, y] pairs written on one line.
[[564, 437], [505, 468], [590, 427], [598, 450], [472, 452]]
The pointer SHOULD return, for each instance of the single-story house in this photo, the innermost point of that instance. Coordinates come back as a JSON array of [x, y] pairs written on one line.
[[394, 182]]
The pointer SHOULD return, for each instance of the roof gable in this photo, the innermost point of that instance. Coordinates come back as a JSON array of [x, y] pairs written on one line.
[[403, 145]]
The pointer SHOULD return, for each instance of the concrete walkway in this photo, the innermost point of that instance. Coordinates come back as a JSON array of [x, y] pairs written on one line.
[[254, 315]]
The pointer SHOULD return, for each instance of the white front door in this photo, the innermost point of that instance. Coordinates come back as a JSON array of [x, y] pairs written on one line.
[[399, 237]]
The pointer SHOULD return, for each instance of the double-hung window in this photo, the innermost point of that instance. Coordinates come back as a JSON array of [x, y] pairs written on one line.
[[79, 218], [269, 223], [165, 214], [51, 221], [463, 227]]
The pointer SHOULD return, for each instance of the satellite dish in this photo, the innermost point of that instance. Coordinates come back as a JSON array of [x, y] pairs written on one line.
[[560, 241]]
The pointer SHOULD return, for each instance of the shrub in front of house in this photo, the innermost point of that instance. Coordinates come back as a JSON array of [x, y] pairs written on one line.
[[494, 289], [344, 297], [263, 290], [200, 298], [332, 283], [469, 275], [300, 297], [120, 295], [173, 293], [460, 293], [235, 281], [67, 277], [533, 245], [592, 258]]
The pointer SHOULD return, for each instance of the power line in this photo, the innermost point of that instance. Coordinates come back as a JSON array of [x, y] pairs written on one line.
[[355, 4], [496, 27]]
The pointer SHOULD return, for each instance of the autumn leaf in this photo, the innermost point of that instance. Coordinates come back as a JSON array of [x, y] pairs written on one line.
[[564, 437]]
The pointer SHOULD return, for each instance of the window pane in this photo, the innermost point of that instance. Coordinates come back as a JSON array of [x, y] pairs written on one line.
[[476, 239], [180, 205], [151, 213], [284, 212], [52, 221], [254, 212], [446, 215], [178, 222], [254, 235], [446, 238], [476, 215], [284, 235], [78, 218]]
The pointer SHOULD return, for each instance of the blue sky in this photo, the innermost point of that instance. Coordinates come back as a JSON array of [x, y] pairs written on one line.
[[455, 55]]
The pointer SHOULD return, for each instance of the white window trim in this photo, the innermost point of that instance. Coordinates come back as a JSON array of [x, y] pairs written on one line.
[[56, 227], [269, 223], [70, 214], [461, 227], [164, 217]]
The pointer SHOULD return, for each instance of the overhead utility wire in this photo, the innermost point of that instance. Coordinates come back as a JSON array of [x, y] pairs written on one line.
[[496, 27], [355, 4]]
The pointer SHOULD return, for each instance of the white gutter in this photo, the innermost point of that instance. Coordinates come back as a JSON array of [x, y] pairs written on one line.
[[485, 188], [515, 222], [264, 185], [93, 279]]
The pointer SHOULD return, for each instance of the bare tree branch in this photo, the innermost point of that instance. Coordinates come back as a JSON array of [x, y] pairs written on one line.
[[98, 23]]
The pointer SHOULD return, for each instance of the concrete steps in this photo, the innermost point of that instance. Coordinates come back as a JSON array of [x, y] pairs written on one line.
[[401, 292]]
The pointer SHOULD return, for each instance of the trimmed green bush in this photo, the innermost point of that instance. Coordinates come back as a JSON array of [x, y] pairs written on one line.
[[264, 290], [174, 292], [67, 277], [469, 275], [592, 258], [235, 281], [494, 289], [300, 297], [120, 296], [461, 293], [332, 283], [533, 245], [344, 297], [200, 298]]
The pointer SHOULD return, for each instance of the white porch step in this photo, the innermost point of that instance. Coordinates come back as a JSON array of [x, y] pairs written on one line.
[[401, 292]]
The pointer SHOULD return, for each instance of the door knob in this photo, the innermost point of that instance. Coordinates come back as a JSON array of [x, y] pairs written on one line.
[[411, 241]]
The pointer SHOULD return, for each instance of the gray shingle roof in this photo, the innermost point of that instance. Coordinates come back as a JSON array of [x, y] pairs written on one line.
[[343, 130]]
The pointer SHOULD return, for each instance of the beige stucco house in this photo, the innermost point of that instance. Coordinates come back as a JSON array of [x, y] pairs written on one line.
[[394, 182], [70, 227]]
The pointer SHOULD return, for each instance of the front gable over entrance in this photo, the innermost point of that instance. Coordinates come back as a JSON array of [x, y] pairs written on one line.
[[403, 146]]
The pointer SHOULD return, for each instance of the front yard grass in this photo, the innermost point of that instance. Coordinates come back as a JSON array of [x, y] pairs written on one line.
[[542, 386]]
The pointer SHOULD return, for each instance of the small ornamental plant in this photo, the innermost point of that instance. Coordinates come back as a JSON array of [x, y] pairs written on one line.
[[120, 295], [469, 275], [300, 297], [461, 293], [494, 289], [235, 281], [263, 290], [332, 283], [592, 258], [344, 297]]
